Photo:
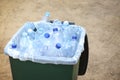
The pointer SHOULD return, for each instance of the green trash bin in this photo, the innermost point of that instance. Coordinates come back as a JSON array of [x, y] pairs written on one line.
[[27, 70], [35, 70]]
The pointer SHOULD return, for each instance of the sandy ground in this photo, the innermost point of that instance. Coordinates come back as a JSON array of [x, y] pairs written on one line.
[[100, 18]]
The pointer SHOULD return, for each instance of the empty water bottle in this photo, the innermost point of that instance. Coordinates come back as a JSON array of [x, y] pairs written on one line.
[[58, 50], [65, 24], [31, 34], [57, 24], [46, 16], [76, 30], [24, 41], [67, 49], [67, 34], [74, 44], [42, 27], [46, 43], [57, 32], [70, 46], [29, 25]]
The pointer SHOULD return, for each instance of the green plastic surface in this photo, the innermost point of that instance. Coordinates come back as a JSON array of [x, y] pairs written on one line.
[[27, 70]]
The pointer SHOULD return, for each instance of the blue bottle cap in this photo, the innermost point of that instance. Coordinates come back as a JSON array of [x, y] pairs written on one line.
[[58, 46], [55, 29], [74, 37], [46, 35], [14, 45]]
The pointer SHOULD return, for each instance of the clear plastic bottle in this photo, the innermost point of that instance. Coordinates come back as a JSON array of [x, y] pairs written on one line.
[[57, 24], [29, 25], [46, 44], [43, 26], [76, 30], [70, 46], [57, 29], [57, 37], [74, 44], [46, 16], [67, 34], [31, 34], [24, 41], [65, 24], [58, 50], [66, 50]]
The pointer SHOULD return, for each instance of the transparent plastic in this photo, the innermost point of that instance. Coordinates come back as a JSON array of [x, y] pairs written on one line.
[[50, 43]]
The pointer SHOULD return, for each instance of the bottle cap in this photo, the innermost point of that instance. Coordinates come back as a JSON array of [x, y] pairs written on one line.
[[30, 30], [65, 23], [55, 29], [47, 14], [74, 37], [58, 46], [14, 45], [46, 35]]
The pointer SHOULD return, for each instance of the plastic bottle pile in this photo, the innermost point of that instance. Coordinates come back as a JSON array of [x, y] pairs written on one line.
[[56, 39]]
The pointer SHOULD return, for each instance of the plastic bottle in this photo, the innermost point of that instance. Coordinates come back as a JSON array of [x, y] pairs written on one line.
[[56, 39], [24, 41], [58, 50], [65, 24], [31, 34], [46, 44], [70, 46], [43, 25], [46, 16], [76, 30], [57, 24], [29, 25], [67, 34], [57, 31], [74, 44], [67, 48], [38, 46]]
